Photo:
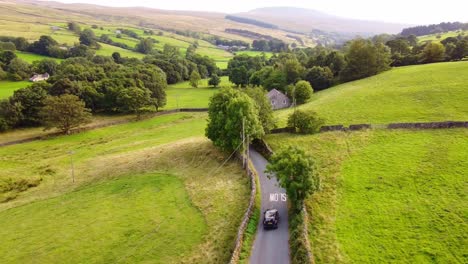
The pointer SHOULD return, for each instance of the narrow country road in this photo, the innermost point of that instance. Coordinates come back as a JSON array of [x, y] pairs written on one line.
[[270, 246]]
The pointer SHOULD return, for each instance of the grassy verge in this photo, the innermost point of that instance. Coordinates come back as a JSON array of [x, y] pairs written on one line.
[[387, 195], [431, 92], [251, 230]]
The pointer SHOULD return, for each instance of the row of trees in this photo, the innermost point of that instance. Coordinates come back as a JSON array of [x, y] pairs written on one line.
[[102, 84], [319, 66]]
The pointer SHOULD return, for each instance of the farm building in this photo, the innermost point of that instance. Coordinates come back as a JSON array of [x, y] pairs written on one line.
[[39, 77], [278, 99]]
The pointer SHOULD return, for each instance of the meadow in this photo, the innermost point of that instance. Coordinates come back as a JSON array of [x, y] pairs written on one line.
[[431, 92], [387, 196], [137, 186], [8, 87], [435, 37], [182, 95], [31, 57]]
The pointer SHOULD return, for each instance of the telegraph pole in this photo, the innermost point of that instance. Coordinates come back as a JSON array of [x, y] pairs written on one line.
[[243, 142]]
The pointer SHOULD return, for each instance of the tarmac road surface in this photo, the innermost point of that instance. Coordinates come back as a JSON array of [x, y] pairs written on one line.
[[270, 246]]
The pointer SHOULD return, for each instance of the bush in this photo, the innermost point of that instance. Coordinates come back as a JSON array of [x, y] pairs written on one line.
[[305, 122]]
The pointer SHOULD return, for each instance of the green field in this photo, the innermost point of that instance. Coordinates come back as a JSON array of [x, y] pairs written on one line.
[[431, 92], [8, 87], [388, 196], [31, 57], [182, 95], [433, 37], [144, 192]]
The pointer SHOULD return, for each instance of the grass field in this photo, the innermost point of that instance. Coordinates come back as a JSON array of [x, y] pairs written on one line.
[[31, 57], [388, 196], [137, 186], [8, 87], [433, 37], [182, 95], [431, 92]]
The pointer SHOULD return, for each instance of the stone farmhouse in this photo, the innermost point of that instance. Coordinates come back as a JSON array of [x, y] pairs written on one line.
[[278, 99]]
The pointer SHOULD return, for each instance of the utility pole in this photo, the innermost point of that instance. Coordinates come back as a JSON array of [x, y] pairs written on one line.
[[243, 142], [71, 152]]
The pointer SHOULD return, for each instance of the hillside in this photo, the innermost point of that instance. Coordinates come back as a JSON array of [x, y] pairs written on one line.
[[431, 92], [206, 23], [387, 195], [163, 175], [306, 20]]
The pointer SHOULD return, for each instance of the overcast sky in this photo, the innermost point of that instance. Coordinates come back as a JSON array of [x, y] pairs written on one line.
[[401, 11]]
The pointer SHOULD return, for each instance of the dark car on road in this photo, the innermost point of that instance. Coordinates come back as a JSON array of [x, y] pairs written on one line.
[[270, 219]]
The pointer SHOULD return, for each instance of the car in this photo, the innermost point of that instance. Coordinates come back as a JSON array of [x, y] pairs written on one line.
[[270, 219]]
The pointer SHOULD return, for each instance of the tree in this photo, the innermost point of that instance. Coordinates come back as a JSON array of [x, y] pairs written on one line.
[[19, 67], [239, 76], [214, 80], [433, 52], [145, 46], [31, 100], [365, 59], [42, 45], [302, 92], [73, 26], [7, 56], [296, 173], [259, 96], [195, 79], [64, 112], [134, 99], [10, 114], [81, 51], [45, 66], [319, 77], [305, 122], [461, 50], [117, 58], [88, 38], [227, 109]]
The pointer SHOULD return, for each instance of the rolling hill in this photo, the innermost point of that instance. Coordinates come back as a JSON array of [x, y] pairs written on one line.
[[306, 20], [431, 92]]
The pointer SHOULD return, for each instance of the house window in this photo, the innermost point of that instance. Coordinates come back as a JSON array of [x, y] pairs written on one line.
[[284, 102]]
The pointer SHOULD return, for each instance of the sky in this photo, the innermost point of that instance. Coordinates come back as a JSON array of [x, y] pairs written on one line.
[[399, 11]]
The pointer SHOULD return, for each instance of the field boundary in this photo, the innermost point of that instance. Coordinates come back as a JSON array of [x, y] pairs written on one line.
[[251, 172], [83, 129], [356, 127]]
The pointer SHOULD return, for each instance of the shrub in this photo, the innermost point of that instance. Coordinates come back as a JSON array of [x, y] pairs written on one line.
[[305, 122]]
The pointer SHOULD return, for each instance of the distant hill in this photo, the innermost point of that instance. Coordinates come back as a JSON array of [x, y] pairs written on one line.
[[307, 20], [434, 29]]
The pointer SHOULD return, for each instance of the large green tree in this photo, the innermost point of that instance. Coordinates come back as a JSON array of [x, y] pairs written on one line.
[[433, 52], [365, 59], [227, 109], [259, 96], [296, 173], [195, 79], [301, 92], [88, 38], [134, 100], [145, 46], [64, 112]]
